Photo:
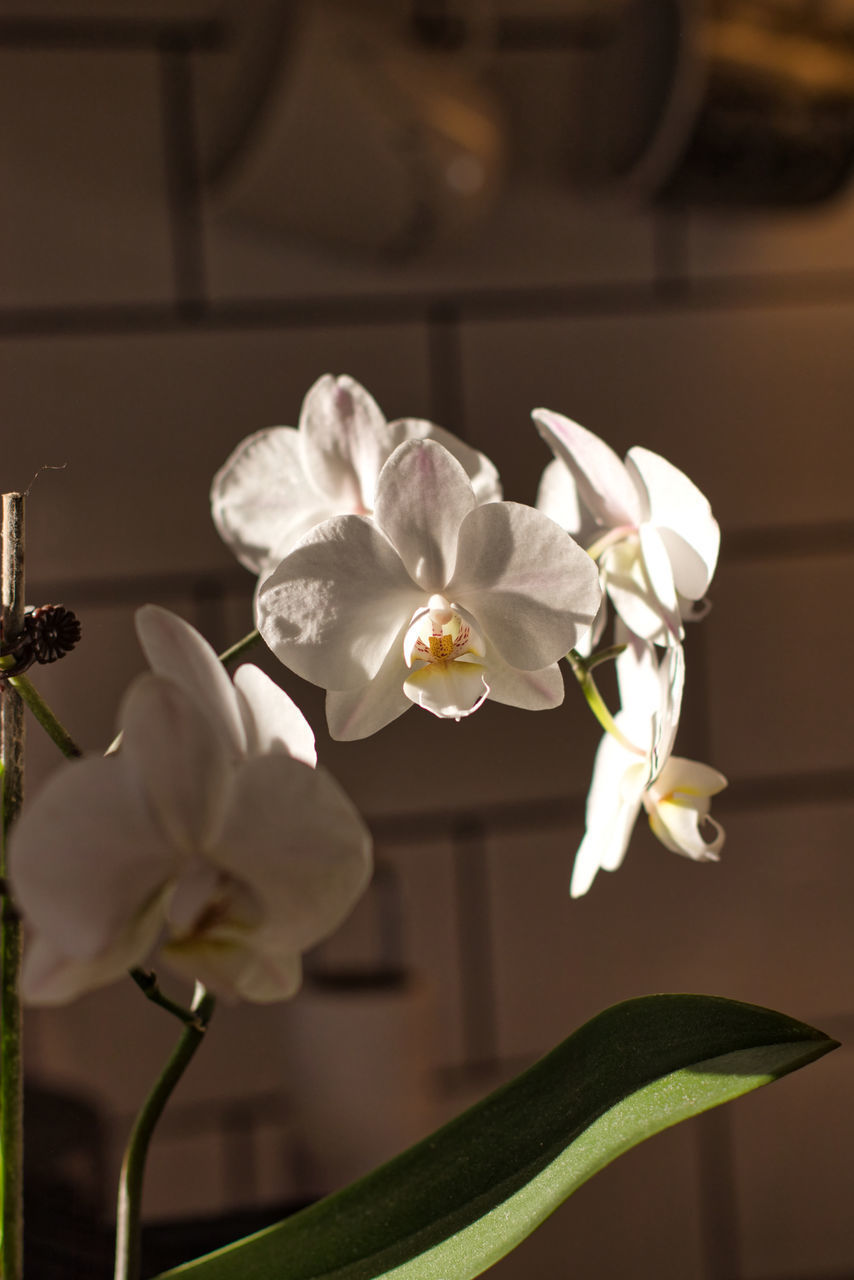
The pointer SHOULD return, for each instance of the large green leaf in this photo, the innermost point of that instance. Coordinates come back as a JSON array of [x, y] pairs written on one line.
[[450, 1207]]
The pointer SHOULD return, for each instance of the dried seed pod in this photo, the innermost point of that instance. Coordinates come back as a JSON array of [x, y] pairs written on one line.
[[52, 630]]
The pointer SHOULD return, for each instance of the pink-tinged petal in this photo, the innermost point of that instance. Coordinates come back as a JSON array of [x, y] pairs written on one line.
[[532, 690], [176, 651], [183, 768], [333, 607], [450, 690], [423, 496], [86, 857], [294, 838], [624, 568], [272, 720], [262, 499], [345, 441], [481, 472], [557, 498], [357, 713], [683, 516], [50, 977], [604, 485], [532, 591]]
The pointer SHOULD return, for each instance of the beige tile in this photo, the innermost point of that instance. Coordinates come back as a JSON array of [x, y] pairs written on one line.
[[752, 404], [778, 676], [785, 242], [83, 213], [767, 925], [638, 1218], [794, 1167], [143, 423]]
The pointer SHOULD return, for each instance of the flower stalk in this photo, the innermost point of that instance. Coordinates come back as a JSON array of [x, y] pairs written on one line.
[[582, 670], [128, 1215], [12, 760]]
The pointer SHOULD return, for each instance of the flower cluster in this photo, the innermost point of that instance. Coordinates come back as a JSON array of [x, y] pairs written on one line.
[[392, 574]]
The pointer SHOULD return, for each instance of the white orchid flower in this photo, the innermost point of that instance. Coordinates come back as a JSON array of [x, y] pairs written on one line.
[[439, 600], [649, 527], [634, 769], [207, 837], [281, 482]]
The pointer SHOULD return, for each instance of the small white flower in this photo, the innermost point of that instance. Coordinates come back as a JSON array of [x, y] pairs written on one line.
[[674, 792], [281, 482], [438, 600], [648, 526], [207, 837]]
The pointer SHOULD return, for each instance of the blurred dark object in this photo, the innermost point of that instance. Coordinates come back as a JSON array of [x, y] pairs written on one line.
[[776, 121]]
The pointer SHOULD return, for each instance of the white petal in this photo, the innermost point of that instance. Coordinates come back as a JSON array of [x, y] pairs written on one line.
[[50, 977], [295, 838], [481, 472], [627, 581], [345, 441], [604, 485], [175, 650], [533, 690], [86, 858], [182, 766], [272, 719], [690, 778], [450, 690], [680, 829], [532, 591], [357, 713], [236, 970], [333, 607], [262, 499], [684, 518], [557, 497], [423, 496]]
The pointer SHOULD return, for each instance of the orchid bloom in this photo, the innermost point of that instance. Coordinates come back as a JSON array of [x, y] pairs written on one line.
[[438, 600], [634, 769], [281, 482], [208, 836], [648, 526]]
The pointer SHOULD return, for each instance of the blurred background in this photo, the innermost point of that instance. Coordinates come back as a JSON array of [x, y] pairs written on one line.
[[636, 212]]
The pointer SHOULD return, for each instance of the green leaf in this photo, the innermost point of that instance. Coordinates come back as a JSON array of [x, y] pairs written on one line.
[[450, 1207]]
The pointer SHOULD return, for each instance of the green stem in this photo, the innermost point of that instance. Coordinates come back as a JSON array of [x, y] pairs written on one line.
[[45, 716], [581, 669], [150, 988], [128, 1221], [237, 650], [12, 761]]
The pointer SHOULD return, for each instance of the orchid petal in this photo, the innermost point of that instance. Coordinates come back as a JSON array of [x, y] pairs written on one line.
[[357, 713], [333, 607], [625, 572], [261, 497], [345, 441], [481, 472], [182, 766], [532, 590], [613, 804], [85, 855], [557, 498], [176, 651], [294, 837], [532, 690], [604, 485], [683, 517], [234, 969], [450, 690], [272, 720], [679, 830], [423, 496]]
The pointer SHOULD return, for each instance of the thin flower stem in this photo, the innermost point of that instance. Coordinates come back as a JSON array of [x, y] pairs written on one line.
[[238, 649], [128, 1221], [150, 988], [48, 721], [581, 668], [12, 762]]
